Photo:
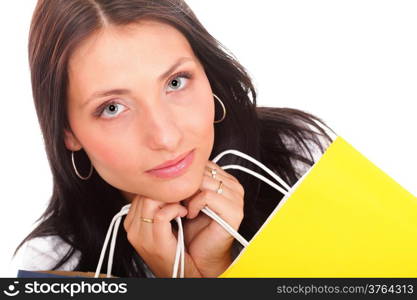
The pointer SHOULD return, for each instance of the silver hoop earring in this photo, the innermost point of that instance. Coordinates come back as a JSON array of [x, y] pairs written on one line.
[[76, 171], [224, 109]]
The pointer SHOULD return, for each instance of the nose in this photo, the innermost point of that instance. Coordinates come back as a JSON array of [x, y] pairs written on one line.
[[161, 128]]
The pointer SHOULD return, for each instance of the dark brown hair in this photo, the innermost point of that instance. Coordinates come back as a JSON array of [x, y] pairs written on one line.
[[80, 211]]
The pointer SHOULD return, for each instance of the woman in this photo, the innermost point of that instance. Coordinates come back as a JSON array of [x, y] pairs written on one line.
[[123, 88]]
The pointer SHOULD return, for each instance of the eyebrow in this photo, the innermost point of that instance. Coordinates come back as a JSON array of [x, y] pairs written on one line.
[[105, 93]]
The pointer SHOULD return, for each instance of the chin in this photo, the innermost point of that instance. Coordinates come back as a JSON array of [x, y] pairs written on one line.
[[179, 192]]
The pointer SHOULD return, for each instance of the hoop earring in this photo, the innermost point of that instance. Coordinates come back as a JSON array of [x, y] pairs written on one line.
[[224, 109], [76, 171]]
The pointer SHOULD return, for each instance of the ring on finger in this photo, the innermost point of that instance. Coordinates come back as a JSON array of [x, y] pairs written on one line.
[[220, 189], [213, 172], [146, 220]]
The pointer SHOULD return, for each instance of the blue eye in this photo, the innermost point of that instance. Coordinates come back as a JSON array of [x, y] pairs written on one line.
[[179, 84], [112, 108]]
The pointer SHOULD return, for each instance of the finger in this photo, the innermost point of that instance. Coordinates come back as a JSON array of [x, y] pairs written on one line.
[[217, 175], [148, 210], [229, 186], [162, 228], [135, 229], [219, 170], [132, 212], [234, 185], [229, 211], [133, 233], [209, 183], [218, 203], [150, 207]]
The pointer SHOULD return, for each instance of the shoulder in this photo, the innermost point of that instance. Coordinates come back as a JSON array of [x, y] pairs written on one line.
[[42, 254]]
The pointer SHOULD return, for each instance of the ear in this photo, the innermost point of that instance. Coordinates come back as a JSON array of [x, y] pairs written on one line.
[[71, 142]]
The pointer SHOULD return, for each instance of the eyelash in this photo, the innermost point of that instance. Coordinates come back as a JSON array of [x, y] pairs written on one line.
[[102, 107], [183, 74]]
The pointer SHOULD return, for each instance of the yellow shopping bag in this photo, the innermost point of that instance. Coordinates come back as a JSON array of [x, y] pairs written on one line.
[[344, 218]]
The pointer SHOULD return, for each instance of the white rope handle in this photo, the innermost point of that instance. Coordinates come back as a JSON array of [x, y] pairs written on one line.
[[180, 250], [257, 175], [116, 223], [256, 162]]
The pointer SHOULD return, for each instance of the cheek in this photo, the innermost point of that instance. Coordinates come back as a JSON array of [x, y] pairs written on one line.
[[200, 129], [106, 154], [107, 145], [201, 115], [106, 157], [109, 152], [199, 119]]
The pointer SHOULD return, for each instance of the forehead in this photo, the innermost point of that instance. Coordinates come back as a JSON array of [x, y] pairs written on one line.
[[147, 42]]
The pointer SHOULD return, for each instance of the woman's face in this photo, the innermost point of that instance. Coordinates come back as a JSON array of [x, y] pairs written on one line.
[[150, 117]]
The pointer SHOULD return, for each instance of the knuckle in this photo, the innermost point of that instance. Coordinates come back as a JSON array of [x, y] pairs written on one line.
[[239, 214], [159, 217], [233, 178], [241, 190], [204, 194], [209, 195], [131, 237], [193, 205], [183, 209]]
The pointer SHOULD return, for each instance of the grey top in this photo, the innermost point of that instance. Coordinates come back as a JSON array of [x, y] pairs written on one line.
[[42, 253]]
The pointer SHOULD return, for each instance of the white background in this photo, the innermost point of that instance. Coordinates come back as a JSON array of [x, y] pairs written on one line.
[[352, 63]]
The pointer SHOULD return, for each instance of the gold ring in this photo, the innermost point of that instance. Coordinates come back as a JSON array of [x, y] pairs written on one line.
[[219, 189], [146, 220]]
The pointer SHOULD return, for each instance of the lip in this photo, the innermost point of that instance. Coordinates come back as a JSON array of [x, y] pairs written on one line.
[[173, 168]]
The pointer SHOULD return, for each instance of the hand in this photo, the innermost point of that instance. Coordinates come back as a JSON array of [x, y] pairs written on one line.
[[208, 243], [156, 242]]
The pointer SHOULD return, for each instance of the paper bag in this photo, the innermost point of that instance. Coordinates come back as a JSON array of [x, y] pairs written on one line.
[[344, 218]]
